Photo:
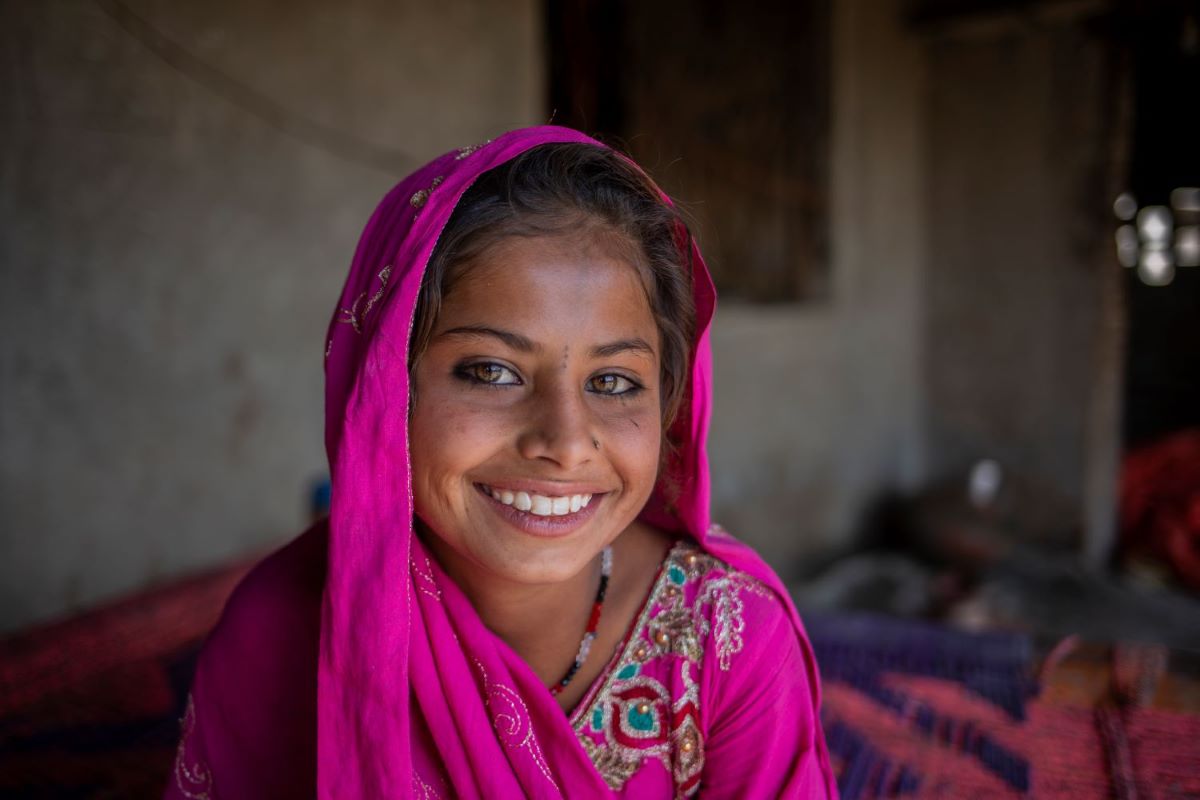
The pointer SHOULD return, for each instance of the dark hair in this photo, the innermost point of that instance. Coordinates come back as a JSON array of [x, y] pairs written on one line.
[[557, 189]]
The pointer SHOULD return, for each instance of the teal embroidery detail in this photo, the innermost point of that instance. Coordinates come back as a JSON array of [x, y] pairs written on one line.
[[639, 721], [695, 600]]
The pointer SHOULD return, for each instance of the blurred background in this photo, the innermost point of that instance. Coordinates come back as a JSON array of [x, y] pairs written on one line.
[[957, 352]]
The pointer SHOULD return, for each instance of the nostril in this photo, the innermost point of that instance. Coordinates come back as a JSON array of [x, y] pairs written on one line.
[[560, 434]]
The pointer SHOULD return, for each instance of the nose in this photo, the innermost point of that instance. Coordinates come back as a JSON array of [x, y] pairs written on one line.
[[559, 428]]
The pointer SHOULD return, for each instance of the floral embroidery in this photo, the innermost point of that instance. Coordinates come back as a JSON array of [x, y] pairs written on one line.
[[422, 789], [354, 316], [715, 530], [510, 718], [193, 777], [421, 196], [688, 750], [423, 578], [635, 716], [725, 596], [463, 152]]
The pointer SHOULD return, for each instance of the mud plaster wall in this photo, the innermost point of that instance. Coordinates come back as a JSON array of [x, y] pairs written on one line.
[[818, 406], [971, 314], [169, 256], [1021, 354]]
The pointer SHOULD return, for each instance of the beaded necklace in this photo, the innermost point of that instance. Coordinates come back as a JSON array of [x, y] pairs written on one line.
[[589, 635]]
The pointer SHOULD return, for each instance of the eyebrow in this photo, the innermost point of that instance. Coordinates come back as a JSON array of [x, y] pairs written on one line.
[[520, 343], [636, 344], [514, 340]]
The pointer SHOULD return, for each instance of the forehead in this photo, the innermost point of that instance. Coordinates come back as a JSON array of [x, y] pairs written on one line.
[[553, 288]]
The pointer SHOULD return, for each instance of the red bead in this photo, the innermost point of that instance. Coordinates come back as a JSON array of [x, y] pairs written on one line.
[[593, 623]]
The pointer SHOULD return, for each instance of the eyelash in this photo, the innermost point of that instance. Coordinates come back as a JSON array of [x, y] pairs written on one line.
[[470, 373], [634, 386]]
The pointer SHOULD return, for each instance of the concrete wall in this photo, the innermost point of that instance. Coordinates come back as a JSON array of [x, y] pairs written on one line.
[[975, 311], [1022, 359], [818, 407], [181, 185], [181, 188]]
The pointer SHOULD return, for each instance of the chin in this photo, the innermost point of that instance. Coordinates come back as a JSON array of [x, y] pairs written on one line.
[[540, 562], [481, 554]]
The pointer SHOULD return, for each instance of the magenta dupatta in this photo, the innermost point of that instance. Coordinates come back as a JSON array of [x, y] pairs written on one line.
[[411, 688]]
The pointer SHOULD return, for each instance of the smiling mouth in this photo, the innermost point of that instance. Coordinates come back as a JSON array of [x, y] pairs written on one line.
[[539, 505]]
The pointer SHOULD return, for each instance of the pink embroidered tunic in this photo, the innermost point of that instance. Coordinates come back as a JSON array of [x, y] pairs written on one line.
[[704, 690], [708, 691]]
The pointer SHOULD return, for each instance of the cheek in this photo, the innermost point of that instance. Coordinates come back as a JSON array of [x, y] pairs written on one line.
[[447, 443], [633, 440]]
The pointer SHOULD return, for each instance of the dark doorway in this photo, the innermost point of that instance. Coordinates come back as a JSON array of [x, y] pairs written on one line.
[[728, 109], [1162, 390]]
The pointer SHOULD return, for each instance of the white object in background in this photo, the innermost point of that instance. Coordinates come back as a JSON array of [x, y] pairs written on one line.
[[1187, 246], [1186, 199], [1127, 246], [1125, 207], [1154, 224], [984, 482], [1156, 268]]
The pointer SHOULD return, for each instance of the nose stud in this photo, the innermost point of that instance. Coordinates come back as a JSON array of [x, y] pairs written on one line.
[[596, 443]]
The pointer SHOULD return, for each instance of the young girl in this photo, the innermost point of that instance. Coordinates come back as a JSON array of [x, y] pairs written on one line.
[[518, 592]]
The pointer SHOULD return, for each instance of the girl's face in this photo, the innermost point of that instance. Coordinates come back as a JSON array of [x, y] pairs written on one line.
[[536, 427]]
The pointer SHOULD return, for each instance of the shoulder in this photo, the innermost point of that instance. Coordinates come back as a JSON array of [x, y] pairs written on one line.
[[272, 621], [759, 687], [754, 658], [253, 702], [732, 608], [282, 592]]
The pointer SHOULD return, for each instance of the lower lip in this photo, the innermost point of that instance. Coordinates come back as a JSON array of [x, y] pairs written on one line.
[[547, 527]]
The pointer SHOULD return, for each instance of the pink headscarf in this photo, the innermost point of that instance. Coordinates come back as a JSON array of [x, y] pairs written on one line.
[[412, 689]]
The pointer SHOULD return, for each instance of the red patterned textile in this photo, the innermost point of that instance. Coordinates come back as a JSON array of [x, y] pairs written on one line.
[[1160, 503]]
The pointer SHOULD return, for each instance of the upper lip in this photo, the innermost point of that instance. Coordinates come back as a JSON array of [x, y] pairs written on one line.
[[545, 488]]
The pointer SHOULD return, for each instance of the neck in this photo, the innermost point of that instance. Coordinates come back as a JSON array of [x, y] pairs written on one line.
[[541, 622], [524, 616]]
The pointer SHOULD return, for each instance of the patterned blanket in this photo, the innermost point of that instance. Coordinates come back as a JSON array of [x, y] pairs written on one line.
[[90, 708]]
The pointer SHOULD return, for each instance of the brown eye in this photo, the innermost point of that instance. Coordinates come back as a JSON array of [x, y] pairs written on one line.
[[489, 373], [611, 384]]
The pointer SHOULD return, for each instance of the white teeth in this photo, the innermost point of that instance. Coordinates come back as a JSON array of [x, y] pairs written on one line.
[[540, 504]]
